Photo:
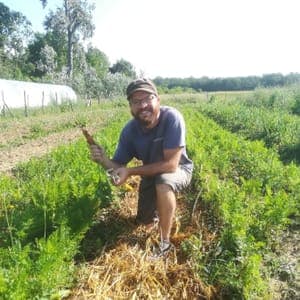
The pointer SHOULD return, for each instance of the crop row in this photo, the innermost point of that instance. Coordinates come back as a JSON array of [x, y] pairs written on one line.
[[251, 195], [284, 99], [46, 208], [276, 129]]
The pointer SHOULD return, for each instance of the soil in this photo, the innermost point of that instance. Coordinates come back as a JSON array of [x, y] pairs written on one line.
[[10, 157], [286, 282]]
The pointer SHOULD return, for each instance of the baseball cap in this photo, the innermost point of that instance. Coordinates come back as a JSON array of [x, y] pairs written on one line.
[[141, 84]]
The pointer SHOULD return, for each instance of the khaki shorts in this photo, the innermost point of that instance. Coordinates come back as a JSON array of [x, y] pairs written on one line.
[[147, 193]]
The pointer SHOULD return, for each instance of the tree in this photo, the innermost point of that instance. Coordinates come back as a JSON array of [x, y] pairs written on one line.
[[124, 67], [115, 84], [93, 85], [15, 31], [36, 53], [98, 60], [73, 22], [274, 79], [46, 63]]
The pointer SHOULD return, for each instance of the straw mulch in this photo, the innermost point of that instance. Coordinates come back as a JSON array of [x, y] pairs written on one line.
[[125, 270]]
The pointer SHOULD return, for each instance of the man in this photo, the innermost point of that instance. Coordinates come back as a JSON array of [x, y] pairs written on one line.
[[156, 136]]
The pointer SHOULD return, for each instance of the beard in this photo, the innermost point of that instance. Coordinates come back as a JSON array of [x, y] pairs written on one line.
[[146, 116]]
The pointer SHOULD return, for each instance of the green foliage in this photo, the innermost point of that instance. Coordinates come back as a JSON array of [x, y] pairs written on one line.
[[227, 84], [55, 192], [49, 204], [14, 29], [277, 128], [98, 60], [296, 106], [282, 98], [46, 209], [251, 196], [115, 85], [39, 270], [124, 67]]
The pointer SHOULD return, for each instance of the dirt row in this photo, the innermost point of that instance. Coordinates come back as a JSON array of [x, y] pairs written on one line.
[[10, 157]]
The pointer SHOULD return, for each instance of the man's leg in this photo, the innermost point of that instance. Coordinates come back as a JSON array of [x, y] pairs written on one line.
[[166, 206], [146, 211]]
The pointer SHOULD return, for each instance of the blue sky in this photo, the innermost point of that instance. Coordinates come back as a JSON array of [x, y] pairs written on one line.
[[176, 38]]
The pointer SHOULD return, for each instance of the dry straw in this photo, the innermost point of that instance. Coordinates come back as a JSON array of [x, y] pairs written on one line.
[[125, 270]]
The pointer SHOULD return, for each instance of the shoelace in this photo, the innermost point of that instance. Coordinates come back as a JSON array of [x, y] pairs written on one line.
[[164, 246], [161, 250]]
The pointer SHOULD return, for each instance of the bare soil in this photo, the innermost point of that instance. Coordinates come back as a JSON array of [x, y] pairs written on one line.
[[10, 157]]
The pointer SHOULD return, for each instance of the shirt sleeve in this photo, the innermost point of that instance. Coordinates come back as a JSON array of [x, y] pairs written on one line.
[[174, 136]]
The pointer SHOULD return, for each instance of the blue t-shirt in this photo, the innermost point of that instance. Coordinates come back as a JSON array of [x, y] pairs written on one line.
[[148, 146]]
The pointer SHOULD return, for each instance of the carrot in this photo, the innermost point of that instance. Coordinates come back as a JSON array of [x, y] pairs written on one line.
[[88, 137]]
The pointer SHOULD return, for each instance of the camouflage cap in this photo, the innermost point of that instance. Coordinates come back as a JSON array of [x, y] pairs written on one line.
[[141, 84]]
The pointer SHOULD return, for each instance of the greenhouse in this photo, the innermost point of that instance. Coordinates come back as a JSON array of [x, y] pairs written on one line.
[[16, 94]]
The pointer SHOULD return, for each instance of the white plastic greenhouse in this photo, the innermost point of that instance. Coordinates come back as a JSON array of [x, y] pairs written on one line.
[[16, 94]]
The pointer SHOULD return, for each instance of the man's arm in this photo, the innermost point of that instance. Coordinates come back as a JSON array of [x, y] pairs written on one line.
[[98, 155], [97, 152], [168, 165]]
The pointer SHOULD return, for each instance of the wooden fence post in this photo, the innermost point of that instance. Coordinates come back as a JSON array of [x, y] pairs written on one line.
[[43, 100], [25, 105], [3, 107]]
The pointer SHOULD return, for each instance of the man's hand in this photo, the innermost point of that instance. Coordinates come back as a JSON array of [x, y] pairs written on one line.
[[122, 173], [97, 153]]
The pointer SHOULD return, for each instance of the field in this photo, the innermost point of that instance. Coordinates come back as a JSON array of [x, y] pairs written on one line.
[[66, 232]]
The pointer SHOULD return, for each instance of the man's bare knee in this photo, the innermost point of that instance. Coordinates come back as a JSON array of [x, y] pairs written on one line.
[[163, 188]]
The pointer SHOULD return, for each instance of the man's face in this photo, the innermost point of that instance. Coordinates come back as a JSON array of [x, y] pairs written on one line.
[[145, 108]]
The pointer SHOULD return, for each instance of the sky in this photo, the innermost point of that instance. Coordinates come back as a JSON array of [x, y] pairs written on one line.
[[191, 38]]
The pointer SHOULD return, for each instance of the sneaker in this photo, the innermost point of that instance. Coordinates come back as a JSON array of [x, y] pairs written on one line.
[[162, 250]]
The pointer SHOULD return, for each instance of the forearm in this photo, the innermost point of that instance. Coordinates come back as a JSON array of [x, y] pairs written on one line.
[[107, 163], [153, 169], [169, 164]]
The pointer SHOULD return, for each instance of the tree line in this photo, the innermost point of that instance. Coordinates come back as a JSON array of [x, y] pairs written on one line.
[[191, 84]]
